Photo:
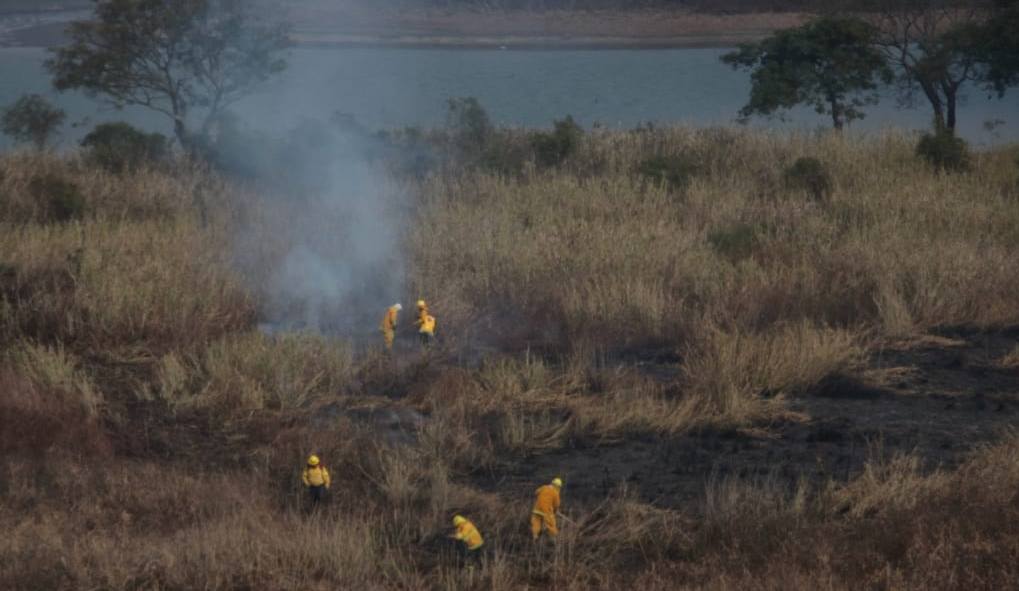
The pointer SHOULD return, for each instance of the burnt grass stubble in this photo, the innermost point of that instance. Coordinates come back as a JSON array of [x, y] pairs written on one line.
[[948, 399]]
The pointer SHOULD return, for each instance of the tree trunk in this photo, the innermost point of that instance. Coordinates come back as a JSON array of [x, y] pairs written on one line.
[[181, 131], [837, 120], [951, 96], [931, 92]]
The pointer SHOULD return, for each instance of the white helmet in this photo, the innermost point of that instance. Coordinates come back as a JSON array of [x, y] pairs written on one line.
[[397, 307]]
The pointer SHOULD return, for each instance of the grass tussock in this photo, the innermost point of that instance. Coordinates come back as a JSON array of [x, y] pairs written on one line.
[[254, 371]]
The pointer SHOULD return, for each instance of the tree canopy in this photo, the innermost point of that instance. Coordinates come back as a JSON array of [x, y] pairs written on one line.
[[177, 57], [31, 119], [938, 47], [829, 64], [999, 49]]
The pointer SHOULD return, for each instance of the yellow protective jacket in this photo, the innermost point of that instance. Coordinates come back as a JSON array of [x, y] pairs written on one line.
[[546, 501], [316, 476], [389, 320], [426, 323], [469, 535]]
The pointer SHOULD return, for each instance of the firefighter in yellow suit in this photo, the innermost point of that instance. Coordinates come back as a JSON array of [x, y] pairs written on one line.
[[470, 538], [316, 479], [546, 505], [425, 324], [388, 326]]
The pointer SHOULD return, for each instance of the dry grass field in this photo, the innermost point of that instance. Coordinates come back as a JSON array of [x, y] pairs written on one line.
[[744, 386]]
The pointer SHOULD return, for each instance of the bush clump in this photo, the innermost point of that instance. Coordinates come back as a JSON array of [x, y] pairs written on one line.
[[119, 147], [474, 142], [62, 201], [469, 126], [675, 171], [32, 119], [735, 242], [553, 148], [944, 151], [809, 175]]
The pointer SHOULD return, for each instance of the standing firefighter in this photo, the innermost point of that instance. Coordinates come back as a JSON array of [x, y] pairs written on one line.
[[316, 480], [470, 538], [388, 326], [546, 505], [425, 324]]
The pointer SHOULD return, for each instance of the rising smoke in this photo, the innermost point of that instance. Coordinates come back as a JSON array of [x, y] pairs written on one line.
[[322, 248]]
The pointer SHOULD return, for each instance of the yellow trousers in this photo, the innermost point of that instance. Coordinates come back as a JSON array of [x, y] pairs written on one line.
[[388, 336], [539, 520]]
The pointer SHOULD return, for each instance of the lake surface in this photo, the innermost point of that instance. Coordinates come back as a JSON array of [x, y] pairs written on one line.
[[396, 87]]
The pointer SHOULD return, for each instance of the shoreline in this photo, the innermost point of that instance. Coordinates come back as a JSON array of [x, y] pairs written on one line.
[[573, 30], [528, 44]]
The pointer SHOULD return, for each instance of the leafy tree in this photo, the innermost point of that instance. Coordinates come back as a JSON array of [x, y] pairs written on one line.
[[32, 119], [935, 47], [999, 47], [173, 56], [828, 63]]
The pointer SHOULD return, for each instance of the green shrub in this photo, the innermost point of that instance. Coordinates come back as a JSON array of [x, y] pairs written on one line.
[[62, 200], [735, 242], [31, 119], [469, 126], [809, 175], [944, 151], [552, 148], [675, 171], [119, 147], [505, 154]]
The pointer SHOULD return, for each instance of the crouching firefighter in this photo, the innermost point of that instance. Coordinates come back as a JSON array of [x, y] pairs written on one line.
[[471, 542]]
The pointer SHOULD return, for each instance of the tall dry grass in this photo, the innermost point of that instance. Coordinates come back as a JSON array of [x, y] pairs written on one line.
[[153, 439], [608, 258]]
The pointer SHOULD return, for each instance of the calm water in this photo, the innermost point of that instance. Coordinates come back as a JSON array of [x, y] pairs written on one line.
[[397, 87]]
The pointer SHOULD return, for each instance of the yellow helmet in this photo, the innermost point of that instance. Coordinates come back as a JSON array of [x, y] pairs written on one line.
[[422, 304], [458, 519], [313, 460], [557, 482]]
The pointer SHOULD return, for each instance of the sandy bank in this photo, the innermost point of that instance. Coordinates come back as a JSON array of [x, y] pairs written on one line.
[[327, 26]]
